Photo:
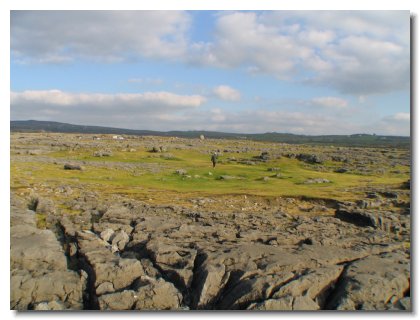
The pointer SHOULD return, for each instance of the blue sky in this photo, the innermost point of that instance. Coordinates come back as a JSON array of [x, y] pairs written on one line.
[[304, 72]]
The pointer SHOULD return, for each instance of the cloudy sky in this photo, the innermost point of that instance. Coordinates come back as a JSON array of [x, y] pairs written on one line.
[[304, 72]]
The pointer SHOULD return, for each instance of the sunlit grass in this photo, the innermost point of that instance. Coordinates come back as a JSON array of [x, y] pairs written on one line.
[[200, 179]]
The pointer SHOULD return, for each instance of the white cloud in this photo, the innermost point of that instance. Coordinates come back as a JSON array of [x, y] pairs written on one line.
[[242, 39], [316, 38], [374, 23], [97, 108], [329, 102], [110, 36], [166, 111], [354, 52], [227, 93], [138, 100], [362, 66]]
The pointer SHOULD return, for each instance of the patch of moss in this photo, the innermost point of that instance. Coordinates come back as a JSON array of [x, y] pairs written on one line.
[[41, 220]]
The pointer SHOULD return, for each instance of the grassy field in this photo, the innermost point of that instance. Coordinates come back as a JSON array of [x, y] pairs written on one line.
[[200, 180]]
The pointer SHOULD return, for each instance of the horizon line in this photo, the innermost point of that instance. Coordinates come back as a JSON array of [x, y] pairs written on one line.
[[225, 132]]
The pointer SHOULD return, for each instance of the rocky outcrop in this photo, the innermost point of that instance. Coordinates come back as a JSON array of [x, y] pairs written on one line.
[[394, 222], [310, 158], [107, 271], [39, 278], [373, 283], [133, 256]]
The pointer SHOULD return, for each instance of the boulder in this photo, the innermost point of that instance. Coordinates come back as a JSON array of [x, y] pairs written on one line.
[[358, 217], [264, 156], [181, 172], [390, 194], [310, 158], [69, 166]]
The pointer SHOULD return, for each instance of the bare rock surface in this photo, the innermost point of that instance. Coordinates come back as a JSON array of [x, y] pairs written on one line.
[[152, 295], [174, 261], [142, 257], [107, 271], [372, 282], [78, 248], [39, 276]]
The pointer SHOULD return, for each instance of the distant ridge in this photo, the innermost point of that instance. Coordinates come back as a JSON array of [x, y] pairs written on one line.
[[363, 140]]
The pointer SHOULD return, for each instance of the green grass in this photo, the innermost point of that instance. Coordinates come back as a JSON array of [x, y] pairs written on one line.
[[41, 220], [198, 181]]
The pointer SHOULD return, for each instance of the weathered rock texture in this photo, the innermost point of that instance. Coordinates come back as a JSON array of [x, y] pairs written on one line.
[[39, 277], [126, 255]]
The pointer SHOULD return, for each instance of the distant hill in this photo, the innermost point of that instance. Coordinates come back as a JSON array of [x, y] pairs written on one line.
[[362, 140]]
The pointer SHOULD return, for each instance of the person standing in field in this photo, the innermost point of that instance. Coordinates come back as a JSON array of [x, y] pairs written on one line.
[[214, 159]]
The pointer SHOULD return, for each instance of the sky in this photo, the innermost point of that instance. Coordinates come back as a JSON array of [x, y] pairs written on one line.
[[302, 72]]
